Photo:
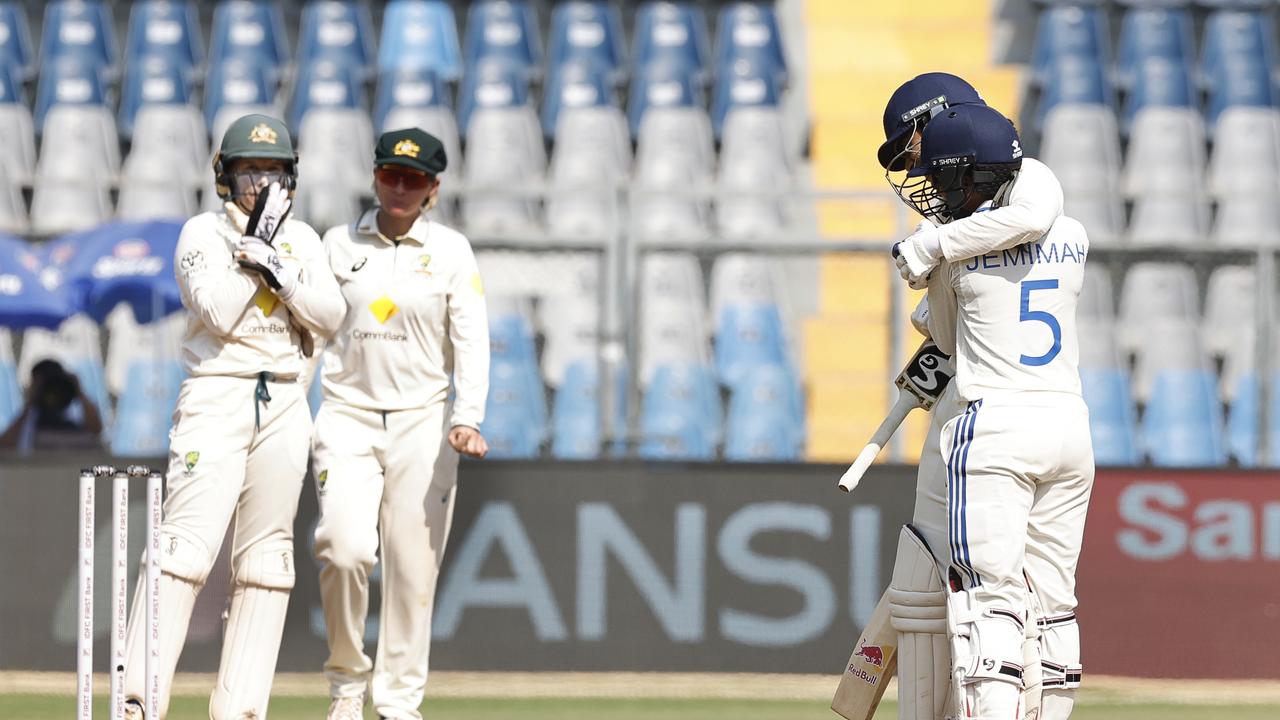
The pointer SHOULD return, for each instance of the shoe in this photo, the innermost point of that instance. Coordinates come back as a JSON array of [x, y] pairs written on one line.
[[133, 710], [347, 708]]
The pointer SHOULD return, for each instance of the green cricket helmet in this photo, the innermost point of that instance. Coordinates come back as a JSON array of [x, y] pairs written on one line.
[[259, 137]]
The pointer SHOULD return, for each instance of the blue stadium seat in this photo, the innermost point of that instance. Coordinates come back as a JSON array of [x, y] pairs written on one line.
[[80, 29], [766, 416], [491, 84], [1182, 426], [661, 85], [315, 393], [420, 34], [680, 414], [1159, 82], [167, 29], [576, 84], [10, 392], [16, 52], [1111, 415], [250, 30], [236, 83], [749, 31], [748, 336], [1154, 32], [506, 30], [672, 33], [68, 81], [154, 80], [515, 411], [325, 84], [743, 85], [1234, 35], [1242, 422], [338, 31], [591, 31], [408, 88], [1239, 82], [1070, 31], [11, 87], [144, 413], [1073, 81], [577, 432]]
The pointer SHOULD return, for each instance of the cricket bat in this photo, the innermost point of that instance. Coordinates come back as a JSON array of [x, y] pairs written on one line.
[[920, 384], [873, 662]]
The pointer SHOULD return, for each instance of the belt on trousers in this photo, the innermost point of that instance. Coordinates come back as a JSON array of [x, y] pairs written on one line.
[[261, 396]]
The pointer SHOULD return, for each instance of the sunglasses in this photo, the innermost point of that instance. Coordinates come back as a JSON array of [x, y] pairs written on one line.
[[393, 176]]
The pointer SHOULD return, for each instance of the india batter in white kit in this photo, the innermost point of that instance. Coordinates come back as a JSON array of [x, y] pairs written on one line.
[[1019, 457], [1033, 204], [256, 286], [387, 440]]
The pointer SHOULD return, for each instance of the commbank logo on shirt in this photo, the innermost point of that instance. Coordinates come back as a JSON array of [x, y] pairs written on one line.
[[383, 308]]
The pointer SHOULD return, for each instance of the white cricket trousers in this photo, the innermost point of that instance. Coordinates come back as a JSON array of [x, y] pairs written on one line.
[[1019, 473], [233, 455], [386, 489]]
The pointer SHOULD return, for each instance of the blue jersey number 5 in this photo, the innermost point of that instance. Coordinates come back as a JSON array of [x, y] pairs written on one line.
[[1029, 315]]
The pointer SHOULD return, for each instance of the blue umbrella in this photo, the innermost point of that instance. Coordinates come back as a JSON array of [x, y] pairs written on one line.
[[24, 300], [129, 262]]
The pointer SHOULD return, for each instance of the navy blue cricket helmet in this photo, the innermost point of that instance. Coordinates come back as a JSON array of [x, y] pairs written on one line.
[[913, 104], [966, 151]]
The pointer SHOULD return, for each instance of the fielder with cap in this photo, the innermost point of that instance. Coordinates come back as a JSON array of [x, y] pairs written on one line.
[[387, 437], [1029, 205], [258, 291]]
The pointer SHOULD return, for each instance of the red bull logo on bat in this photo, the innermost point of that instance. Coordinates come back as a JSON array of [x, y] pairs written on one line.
[[873, 654]]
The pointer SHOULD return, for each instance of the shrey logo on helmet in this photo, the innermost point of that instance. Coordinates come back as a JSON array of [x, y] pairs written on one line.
[[262, 133]]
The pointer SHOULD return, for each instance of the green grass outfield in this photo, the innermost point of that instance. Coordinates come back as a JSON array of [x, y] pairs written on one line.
[[633, 696]]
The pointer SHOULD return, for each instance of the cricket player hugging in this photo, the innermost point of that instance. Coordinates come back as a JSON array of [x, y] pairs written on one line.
[[1018, 458]]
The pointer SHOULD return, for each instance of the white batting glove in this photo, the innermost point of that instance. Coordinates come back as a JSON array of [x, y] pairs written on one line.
[[254, 254], [269, 211], [920, 316], [918, 254]]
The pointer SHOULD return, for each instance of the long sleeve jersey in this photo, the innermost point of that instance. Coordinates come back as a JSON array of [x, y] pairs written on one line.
[[415, 315], [1034, 202], [236, 325]]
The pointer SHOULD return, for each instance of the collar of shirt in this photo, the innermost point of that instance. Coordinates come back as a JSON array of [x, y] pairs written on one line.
[[237, 218], [417, 234]]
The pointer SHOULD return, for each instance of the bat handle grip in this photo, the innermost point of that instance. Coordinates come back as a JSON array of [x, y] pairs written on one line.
[[853, 475]]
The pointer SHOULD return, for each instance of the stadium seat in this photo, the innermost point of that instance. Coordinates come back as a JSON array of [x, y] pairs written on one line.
[[336, 143], [329, 85], [493, 83], [571, 331], [672, 33], [1242, 422], [251, 31], [150, 200], [1166, 154], [770, 389], [1247, 221], [17, 132], [1169, 220], [337, 31], [1236, 35], [590, 31], [575, 85], [1073, 81], [748, 31], [741, 279], [165, 29], [504, 152], [86, 149], [1158, 289], [420, 34], [1168, 345], [578, 433], [170, 143], [504, 30], [1154, 31], [1231, 322], [680, 416], [326, 201], [11, 397], [13, 210], [748, 336], [1246, 153], [1159, 82], [590, 161], [1111, 416], [753, 176], [234, 88], [81, 30], [1182, 425], [1239, 82], [671, 316], [68, 81], [742, 85], [128, 342], [16, 52], [151, 81], [61, 206], [1081, 143], [664, 86], [144, 413], [1070, 32], [1097, 295], [515, 413], [408, 88]]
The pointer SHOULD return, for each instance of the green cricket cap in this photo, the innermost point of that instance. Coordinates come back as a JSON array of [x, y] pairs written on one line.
[[257, 136], [413, 148]]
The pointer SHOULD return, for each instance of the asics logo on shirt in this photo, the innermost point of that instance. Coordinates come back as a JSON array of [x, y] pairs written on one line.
[[359, 264]]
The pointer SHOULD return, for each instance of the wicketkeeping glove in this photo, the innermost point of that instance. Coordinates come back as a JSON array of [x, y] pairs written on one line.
[[918, 255], [269, 211], [256, 255]]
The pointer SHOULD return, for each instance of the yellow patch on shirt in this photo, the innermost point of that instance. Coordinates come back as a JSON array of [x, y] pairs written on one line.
[[383, 308], [265, 300], [476, 284]]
